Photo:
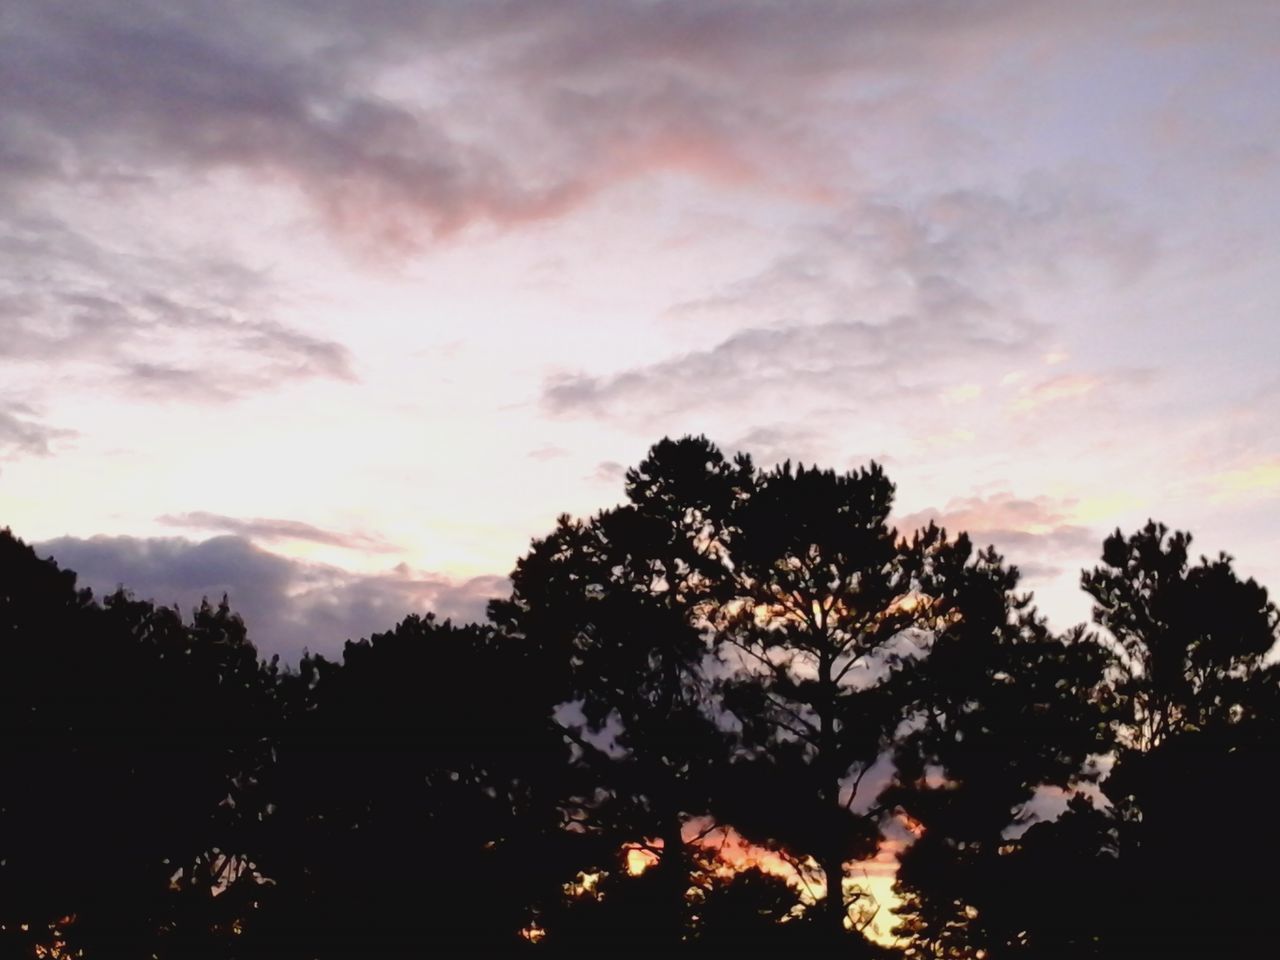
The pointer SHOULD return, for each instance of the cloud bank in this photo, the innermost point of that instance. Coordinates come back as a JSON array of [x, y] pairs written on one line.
[[289, 605]]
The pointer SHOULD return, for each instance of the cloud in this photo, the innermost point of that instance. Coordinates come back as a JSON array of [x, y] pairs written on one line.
[[772, 444], [862, 360], [289, 605], [1056, 390], [384, 116], [897, 188], [885, 303], [22, 434], [609, 471], [175, 327], [96, 93], [1250, 481], [1038, 534], [386, 119], [262, 528], [547, 452], [950, 253]]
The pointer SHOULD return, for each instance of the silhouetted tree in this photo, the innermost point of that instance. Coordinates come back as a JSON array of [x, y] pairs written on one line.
[[1196, 749], [730, 649], [820, 610], [131, 742], [416, 799], [795, 579], [999, 709], [748, 912], [619, 602]]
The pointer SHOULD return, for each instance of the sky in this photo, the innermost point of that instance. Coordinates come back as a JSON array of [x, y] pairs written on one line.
[[334, 305]]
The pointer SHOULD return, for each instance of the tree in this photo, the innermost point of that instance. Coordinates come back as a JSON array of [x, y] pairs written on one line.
[[795, 579], [750, 912], [1196, 745], [618, 603], [416, 799], [1000, 709], [822, 605], [731, 649], [131, 743]]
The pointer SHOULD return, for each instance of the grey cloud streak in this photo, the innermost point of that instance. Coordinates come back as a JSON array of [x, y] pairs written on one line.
[[850, 359], [133, 322], [21, 433], [268, 528], [289, 605]]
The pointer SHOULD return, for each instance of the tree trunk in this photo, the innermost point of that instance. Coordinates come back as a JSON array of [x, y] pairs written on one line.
[[831, 857], [675, 876], [834, 908]]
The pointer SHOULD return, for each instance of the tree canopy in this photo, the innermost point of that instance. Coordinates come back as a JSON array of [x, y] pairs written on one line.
[[695, 723]]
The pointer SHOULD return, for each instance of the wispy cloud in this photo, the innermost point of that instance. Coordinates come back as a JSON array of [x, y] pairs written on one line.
[[860, 360], [889, 306], [270, 529], [21, 433], [193, 328], [1056, 390]]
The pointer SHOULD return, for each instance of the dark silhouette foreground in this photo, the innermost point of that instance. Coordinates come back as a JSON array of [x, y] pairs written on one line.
[[732, 655]]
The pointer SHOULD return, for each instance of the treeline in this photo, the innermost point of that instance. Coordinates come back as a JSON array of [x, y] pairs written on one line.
[[735, 659]]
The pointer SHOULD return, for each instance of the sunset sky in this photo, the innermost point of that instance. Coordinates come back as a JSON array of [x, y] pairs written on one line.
[[335, 305]]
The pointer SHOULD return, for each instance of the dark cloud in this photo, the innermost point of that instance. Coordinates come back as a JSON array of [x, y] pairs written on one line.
[[399, 122], [265, 528], [289, 605], [98, 93], [592, 93]]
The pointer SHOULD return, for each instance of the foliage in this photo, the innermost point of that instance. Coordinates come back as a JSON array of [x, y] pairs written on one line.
[[732, 654]]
